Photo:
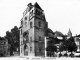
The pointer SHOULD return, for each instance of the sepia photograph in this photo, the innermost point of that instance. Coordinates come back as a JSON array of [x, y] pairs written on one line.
[[39, 29]]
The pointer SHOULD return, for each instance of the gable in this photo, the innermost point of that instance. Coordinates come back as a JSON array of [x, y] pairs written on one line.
[[37, 6]]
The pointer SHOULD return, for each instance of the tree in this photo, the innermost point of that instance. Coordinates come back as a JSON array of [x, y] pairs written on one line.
[[62, 48], [13, 39], [51, 49], [70, 45], [72, 48], [8, 37], [71, 39], [2, 38]]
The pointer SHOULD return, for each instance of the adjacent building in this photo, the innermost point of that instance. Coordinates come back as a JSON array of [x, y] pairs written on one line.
[[4, 48], [77, 41]]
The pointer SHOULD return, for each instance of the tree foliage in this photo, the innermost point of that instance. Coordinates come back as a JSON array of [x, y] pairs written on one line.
[[70, 44], [13, 38], [51, 48], [2, 38]]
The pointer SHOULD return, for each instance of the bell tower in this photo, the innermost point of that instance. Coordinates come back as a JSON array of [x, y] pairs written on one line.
[[32, 31], [69, 33]]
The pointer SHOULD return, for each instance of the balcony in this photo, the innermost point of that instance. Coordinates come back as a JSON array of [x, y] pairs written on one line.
[[25, 37]]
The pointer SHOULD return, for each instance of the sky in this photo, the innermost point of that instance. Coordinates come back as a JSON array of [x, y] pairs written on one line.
[[60, 14]]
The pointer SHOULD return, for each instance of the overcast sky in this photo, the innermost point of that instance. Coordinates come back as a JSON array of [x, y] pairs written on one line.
[[60, 14]]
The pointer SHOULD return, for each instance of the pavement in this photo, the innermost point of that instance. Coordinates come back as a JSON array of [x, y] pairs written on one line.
[[36, 58], [17, 57]]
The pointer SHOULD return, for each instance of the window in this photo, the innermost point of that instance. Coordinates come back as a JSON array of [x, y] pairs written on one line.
[[32, 11], [25, 18], [4, 47], [21, 31], [25, 46], [38, 12], [21, 50], [25, 23], [39, 24], [40, 47], [30, 46], [4, 42], [21, 22], [21, 42], [31, 39], [30, 49], [4, 52], [39, 38], [30, 24]]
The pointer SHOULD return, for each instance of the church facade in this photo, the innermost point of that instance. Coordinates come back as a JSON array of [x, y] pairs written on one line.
[[33, 31]]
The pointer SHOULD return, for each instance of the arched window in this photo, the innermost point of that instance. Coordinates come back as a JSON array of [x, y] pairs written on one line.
[[30, 24], [30, 48], [32, 11], [31, 39], [25, 18], [21, 22], [39, 23], [39, 38], [25, 23], [21, 50], [21, 31]]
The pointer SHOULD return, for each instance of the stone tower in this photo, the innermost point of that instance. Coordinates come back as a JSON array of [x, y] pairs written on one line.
[[32, 31]]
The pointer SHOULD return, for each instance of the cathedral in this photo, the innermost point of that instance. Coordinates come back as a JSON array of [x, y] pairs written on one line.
[[33, 31]]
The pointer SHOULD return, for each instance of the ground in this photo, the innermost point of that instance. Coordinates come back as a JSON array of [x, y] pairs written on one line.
[[36, 58]]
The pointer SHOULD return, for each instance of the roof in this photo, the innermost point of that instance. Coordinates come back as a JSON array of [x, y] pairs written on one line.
[[37, 6], [50, 33], [57, 33], [69, 31], [49, 30], [78, 36]]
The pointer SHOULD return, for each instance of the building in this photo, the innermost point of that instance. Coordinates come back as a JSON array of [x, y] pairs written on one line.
[[4, 48], [49, 37], [77, 41], [32, 31]]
